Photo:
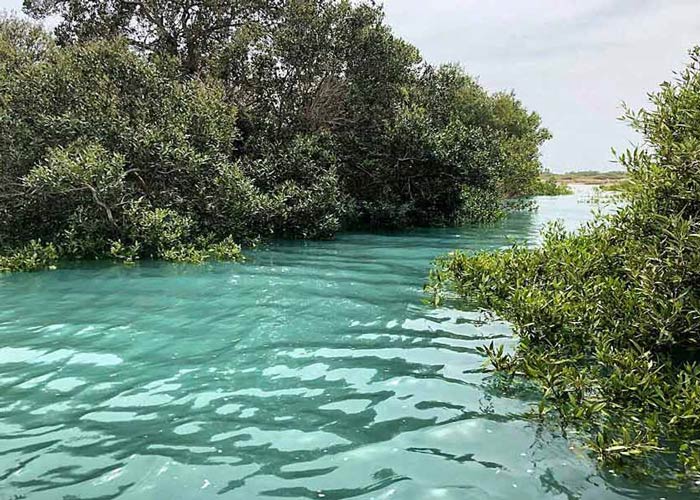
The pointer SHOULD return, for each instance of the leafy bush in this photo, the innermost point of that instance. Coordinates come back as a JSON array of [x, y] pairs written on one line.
[[129, 140], [406, 136], [479, 205], [31, 257], [546, 186], [614, 186], [609, 317], [448, 137], [98, 146], [304, 198]]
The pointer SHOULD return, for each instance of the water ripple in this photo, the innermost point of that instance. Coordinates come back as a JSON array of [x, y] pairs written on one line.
[[313, 371]]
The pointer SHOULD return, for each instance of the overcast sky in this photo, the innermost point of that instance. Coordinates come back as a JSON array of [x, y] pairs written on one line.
[[572, 61]]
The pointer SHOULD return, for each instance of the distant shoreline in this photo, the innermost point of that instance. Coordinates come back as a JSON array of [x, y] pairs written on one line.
[[589, 177]]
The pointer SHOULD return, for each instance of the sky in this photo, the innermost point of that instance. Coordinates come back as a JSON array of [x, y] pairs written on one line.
[[572, 61]]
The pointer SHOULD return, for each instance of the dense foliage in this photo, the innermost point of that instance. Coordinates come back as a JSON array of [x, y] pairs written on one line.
[[547, 185], [170, 130], [609, 317], [102, 154]]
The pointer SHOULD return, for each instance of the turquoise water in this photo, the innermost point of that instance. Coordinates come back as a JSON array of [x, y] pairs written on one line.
[[312, 371]]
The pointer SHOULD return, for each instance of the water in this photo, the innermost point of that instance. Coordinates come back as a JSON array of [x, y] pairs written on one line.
[[312, 371]]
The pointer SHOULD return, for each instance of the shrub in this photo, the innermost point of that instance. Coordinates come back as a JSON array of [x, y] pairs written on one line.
[[307, 118], [31, 257], [104, 154], [479, 205], [448, 137], [303, 195], [546, 186], [608, 318]]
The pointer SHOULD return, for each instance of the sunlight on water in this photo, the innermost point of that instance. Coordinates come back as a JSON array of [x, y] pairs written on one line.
[[312, 371]]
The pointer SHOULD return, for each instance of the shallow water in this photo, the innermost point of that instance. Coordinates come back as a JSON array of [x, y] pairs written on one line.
[[312, 371]]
